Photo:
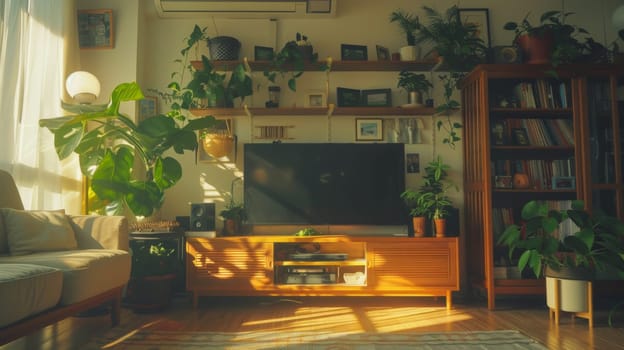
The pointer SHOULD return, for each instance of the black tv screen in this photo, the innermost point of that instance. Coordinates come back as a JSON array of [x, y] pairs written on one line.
[[324, 183]]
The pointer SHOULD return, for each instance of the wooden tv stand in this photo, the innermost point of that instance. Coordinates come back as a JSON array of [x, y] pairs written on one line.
[[270, 266]]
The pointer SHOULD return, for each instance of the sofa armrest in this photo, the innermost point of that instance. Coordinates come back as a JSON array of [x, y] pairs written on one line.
[[108, 232]]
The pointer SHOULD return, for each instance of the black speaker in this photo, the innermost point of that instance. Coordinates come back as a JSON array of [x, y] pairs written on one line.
[[202, 217]]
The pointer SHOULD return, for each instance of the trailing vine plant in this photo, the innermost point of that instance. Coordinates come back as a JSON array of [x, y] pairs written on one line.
[[445, 109]]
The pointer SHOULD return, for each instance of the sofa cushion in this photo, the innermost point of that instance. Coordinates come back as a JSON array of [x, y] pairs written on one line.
[[37, 231], [86, 272], [4, 243], [26, 290]]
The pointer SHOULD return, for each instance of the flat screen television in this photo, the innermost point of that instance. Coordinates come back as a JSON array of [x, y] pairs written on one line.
[[324, 184]]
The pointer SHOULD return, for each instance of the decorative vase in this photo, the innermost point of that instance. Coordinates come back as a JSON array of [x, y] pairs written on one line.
[[440, 227], [536, 49], [520, 180], [224, 48], [218, 145], [419, 226], [409, 53]]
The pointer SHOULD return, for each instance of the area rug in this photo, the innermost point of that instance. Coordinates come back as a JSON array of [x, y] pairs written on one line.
[[165, 340]]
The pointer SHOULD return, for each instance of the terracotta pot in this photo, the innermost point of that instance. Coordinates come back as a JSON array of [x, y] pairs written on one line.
[[419, 226], [440, 227], [231, 227], [520, 180], [536, 49]]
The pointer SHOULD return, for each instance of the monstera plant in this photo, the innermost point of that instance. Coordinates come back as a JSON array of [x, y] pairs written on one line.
[[107, 143]]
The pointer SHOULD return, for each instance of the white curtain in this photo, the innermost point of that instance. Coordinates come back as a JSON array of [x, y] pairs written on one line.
[[33, 58]]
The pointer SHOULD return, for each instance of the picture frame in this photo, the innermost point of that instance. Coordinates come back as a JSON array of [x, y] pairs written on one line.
[[503, 181], [383, 54], [95, 29], [348, 97], [498, 133], [349, 52], [377, 98], [263, 53], [481, 18], [412, 163], [563, 182], [520, 136], [315, 99], [148, 107], [369, 129]]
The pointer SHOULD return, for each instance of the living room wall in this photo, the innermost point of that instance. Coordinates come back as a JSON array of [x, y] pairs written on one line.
[[146, 47]]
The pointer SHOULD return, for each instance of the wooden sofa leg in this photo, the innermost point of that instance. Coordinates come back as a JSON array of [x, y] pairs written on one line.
[[116, 309]]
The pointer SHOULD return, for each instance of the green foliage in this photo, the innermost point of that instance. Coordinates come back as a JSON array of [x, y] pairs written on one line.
[[409, 24], [307, 232], [597, 244], [411, 81], [107, 142], [445, 109], [234, 211], [431, 200]]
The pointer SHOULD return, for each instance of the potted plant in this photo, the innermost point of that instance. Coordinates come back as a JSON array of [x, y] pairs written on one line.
[[414, 84], [154, 267], [291, 58], [592, 243], [234, 214], [409, 25], [419, 209], [552, 41], [435, 188], [107, 143]]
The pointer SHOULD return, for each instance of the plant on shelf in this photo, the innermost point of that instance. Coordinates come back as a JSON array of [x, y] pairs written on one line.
[[409, 24], [206, 87], [551, 41], [415, 85], [234, 213], [595, 244], [107, 143], [419, 209], [461, 49]]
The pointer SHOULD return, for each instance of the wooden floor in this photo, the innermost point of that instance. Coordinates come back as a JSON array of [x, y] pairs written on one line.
[[362, 314]]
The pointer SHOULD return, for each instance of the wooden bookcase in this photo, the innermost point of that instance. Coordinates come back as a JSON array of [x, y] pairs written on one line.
[[572, 120]]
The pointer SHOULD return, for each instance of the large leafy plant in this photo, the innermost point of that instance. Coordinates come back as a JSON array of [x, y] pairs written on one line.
[[107, 143]]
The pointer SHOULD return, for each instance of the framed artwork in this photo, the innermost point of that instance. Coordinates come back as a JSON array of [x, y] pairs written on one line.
[[563, 182], [148, 107], [368, 129], [348, 97], [480, 17], [377, 98], [263, 53], [315, 99], [412, 164], [95, 29], [498, 132], [353, 52], [383, 54], [520, 136], [503, 181]]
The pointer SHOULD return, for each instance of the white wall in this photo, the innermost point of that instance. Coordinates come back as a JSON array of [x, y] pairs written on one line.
[[146, 47]]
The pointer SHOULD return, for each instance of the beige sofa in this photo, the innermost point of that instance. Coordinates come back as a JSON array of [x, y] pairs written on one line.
[[53, 265]]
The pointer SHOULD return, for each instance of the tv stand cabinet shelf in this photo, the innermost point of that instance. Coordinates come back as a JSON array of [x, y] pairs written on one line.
[[264, 266]]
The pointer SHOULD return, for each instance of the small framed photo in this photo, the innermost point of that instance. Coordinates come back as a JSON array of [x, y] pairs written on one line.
[[148, 107], [479, 17], [520, 136], [383, 54], [95, 29], [348, 97], [263, 53], [412, 165], [503, 181], [368, 129], [563, 183], [353, 52], [315, 99], [377, 98], [498, 132]]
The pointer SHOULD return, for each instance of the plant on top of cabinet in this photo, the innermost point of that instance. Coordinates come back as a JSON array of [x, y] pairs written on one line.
[[415, 85], [409, 25], [107, 143]]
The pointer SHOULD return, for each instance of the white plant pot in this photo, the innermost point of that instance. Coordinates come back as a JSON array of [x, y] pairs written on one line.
[[572, 295], [409, 53]]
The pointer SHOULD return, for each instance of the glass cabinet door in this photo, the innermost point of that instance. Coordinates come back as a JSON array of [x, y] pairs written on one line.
[[605, 113]]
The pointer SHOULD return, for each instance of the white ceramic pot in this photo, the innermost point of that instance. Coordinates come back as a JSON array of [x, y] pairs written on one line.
[[409, 53], [572, 294]]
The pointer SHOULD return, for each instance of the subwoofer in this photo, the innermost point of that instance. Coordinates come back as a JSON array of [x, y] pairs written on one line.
[[202, 217]]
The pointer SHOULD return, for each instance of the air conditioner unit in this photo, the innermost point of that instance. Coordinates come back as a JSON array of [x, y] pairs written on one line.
[[246, 8]]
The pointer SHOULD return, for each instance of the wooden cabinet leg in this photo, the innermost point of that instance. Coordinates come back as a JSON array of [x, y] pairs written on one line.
[[449, 300]]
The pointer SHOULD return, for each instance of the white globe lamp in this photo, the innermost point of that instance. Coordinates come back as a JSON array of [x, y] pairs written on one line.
[[83, 87]]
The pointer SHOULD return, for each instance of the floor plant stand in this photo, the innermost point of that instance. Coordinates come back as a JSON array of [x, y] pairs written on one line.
[[556, 311]]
